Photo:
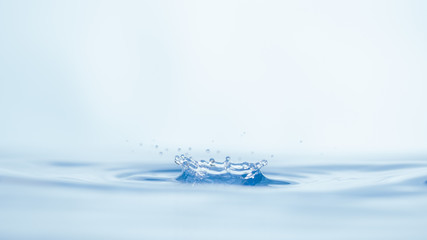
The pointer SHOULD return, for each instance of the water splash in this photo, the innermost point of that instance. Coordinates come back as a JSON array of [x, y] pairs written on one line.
[[226, 172]]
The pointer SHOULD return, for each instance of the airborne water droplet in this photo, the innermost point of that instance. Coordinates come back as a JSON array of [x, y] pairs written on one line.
[[207, 150], [177, 160]]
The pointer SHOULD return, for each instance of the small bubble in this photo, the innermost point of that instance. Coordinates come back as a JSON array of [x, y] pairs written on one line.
[[207, 151]]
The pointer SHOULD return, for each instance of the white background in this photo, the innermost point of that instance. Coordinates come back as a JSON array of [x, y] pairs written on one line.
[[277, 77]]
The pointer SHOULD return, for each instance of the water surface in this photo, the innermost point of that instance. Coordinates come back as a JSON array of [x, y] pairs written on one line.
[[57, 199]]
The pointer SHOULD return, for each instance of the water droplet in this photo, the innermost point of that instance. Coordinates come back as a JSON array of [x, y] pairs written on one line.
[[211, 161], [179, 149], [272, 156], [207, 151], [156, 146], [227, 163], [140, 144], [189, 149], [161, 153], [177, 160]]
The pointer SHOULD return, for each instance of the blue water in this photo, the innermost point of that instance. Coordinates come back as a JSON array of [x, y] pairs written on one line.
[[227, 172], [287, 199]]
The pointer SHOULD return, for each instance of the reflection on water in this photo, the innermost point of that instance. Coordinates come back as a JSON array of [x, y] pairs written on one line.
[[85, 200]]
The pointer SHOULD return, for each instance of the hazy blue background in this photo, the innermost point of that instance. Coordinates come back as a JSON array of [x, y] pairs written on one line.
[[279, 77]]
